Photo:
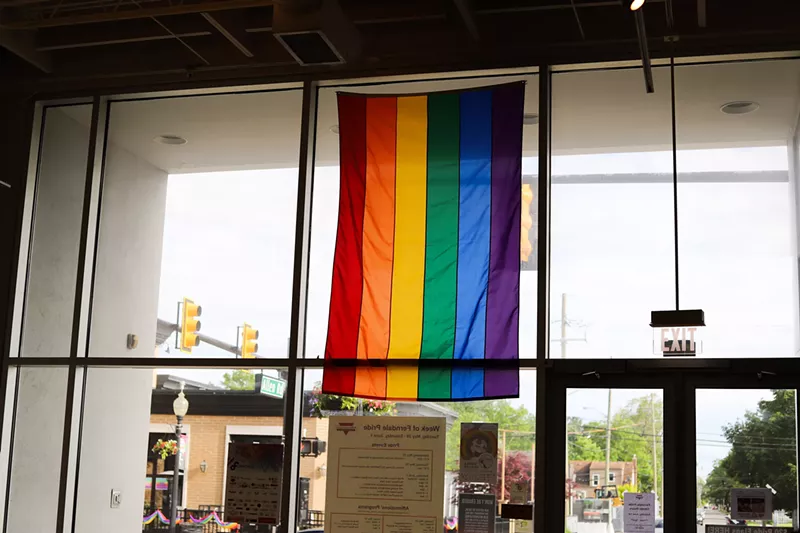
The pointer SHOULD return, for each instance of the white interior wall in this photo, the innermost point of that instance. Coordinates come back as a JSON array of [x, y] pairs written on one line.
[[56, 236], [37, 434], [117, 404]]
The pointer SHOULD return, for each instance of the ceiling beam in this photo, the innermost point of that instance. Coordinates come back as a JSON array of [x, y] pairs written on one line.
[[23, 44], [467, 15], [131, 14], [701, 13], [227, 34]]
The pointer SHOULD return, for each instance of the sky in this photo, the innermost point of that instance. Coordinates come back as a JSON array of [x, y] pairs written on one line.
[[229, 241]]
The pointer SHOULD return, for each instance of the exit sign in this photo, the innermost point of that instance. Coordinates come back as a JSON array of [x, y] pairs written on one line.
[[681, 341], [273, 387]]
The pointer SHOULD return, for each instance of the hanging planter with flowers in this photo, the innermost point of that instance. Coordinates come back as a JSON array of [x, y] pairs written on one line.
[[165, 448], [323, 405]]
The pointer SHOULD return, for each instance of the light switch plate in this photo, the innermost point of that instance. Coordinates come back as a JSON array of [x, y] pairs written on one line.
[[116, 498]]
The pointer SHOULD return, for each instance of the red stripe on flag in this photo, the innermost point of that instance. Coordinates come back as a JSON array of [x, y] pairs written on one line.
[[346, 288]]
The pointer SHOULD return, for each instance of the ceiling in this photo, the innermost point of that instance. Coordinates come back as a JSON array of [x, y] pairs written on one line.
[[593, 112], [78, 45]]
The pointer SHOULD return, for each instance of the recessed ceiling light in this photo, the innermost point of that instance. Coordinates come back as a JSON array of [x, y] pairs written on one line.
[[334, 129], [739, 108], [530, 119], [173, 140], [636, 4]]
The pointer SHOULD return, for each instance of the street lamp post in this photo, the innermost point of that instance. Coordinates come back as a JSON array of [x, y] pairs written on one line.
[[180, 407]]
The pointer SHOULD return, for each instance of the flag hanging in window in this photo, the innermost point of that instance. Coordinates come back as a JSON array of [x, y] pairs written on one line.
[[427, 259]]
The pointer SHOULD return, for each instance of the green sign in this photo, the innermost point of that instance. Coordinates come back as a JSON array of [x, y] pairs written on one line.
[[272, 386]]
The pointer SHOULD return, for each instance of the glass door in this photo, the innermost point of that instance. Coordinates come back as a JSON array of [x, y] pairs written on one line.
[[746, 457], [614, 445]]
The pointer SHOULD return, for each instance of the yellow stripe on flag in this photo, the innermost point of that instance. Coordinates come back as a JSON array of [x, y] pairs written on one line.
[[408, 276], [401, 382]]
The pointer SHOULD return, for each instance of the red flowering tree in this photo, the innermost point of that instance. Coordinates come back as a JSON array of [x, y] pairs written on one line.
[[518, 470]]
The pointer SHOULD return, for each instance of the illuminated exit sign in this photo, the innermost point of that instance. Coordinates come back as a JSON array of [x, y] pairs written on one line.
[[679, 341]]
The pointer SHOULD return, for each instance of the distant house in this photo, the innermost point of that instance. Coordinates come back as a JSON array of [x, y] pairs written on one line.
[[587, 476]]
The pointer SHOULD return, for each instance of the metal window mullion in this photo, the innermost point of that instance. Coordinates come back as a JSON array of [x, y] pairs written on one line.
[[80, 318], [547, 402], [680, 454], [293, 406], [543, 258]]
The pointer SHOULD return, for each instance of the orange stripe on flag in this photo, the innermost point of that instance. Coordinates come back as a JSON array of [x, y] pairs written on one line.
[[378, 243]]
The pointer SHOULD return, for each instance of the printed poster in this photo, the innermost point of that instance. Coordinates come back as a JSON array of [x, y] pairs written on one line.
[[476, 513], [478, 461], [253, 483], [751, 504], [640, 512], [385, 475]]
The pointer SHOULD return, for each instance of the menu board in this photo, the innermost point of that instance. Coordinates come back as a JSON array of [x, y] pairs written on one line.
[[253, 483], [478, 454], [476, 513], [385, 475]]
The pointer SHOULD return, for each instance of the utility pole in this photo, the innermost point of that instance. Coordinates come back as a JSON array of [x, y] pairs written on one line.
[[608, 439], [503, 473], [608, 450]]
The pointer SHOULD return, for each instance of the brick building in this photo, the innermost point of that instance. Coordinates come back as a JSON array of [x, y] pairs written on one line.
[[218, 417]]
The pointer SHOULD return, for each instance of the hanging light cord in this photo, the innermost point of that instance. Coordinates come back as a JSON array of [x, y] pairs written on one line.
[[674, 171]]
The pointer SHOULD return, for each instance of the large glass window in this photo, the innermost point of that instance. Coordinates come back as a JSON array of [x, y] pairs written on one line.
[[232, 413], [746, 438], [196, 202], [611, 238], [199, 202], [516, 443], [734, 205], [326, 202]]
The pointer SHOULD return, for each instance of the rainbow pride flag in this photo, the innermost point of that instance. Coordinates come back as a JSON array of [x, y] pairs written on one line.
[[427, 258]]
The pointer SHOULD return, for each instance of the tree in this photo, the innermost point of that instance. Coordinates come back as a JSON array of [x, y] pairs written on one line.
[[581, 445], [239, 379], [719, 483], [701, 489], [518, 422], [762, 452]]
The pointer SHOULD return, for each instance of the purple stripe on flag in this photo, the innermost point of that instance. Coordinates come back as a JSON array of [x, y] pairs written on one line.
[[502, 307]]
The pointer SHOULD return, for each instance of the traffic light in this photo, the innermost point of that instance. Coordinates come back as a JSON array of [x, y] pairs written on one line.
[[189, 325], [249, 344], [526, 247], [312, 447]]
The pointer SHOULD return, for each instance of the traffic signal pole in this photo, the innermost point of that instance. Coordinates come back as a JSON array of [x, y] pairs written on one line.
[[219, 344]]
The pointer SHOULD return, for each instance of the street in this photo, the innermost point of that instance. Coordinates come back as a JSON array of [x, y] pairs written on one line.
[[713, 518]]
